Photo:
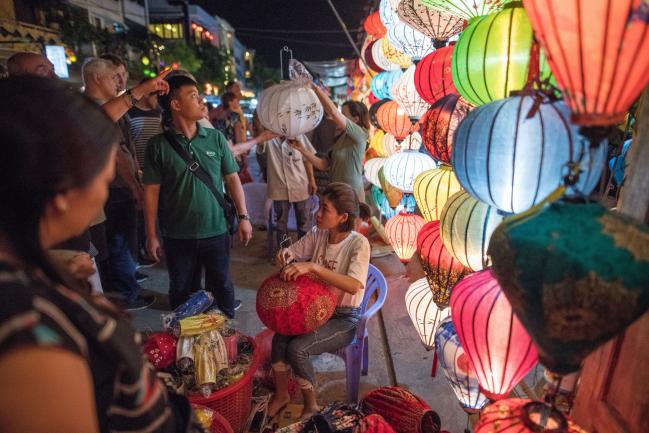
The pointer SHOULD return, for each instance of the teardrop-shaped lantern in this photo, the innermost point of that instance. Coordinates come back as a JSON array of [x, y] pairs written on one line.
[[374, 108], [394, 120], [467, 9], [371, 169], [433, 76], [401, 230], [407, 203], [439, 124], [409, 41], [394, 55], [432, 189], [517, 415], [392, 146], [499, 349], [405, 94], [437, 25], [373, 25], [423, 312], [402, 168], [467, 225], [393, 194]]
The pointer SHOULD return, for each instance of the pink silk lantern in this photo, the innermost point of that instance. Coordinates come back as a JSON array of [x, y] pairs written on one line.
[[499, 349], [401, 230]]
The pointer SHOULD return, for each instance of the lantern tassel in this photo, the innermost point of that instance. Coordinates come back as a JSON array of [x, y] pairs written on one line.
[[433, 372]]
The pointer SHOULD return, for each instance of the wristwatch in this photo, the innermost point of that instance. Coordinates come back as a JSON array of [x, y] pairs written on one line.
[[134, 100], [244, 216]]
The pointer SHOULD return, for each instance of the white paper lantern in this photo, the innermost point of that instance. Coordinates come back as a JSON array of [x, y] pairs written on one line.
[[372, 167], [423, 312], [378, 54], [402, 168], [405, 94], [289, 108], [410, 41], [391, 145]]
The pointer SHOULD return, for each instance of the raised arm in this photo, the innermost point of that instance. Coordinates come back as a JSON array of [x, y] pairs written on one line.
[[329, 107], [321, 164], [117, 107]]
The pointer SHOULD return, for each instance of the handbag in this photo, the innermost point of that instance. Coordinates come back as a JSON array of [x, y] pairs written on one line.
[[225, 201]]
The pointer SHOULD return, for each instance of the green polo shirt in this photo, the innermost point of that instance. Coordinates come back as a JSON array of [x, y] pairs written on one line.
[[187, 208]]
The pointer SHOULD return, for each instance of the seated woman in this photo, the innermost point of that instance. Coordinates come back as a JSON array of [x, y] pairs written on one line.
[[68, 360], [340, 256]]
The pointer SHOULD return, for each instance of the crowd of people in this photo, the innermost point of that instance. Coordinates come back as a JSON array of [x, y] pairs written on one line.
[[105, 182]]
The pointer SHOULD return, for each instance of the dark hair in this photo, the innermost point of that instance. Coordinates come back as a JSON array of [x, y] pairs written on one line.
[[113, 58], [344, 199], [175, 84], [359, 110], [61, 143], [15, 63], [230, 84], [227, 98]]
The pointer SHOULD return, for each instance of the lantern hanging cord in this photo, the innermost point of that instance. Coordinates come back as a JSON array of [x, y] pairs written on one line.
[[349, 36]]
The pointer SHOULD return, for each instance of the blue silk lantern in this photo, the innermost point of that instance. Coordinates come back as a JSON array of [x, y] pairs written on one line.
[[382, 83], [407, 203]]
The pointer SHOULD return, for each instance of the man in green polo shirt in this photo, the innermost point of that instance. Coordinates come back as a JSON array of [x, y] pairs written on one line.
[[192, 222]]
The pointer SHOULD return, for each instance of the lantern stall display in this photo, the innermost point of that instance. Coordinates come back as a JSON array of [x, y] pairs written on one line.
[[457, 369], [391, 145], [394, 55], [437, 25], [598, 65], [373, 25], [442, 270], [371, 170], [290, 108], [467, 225], [433, 77], [467, 9], [405, 94], [393, 194], [523, 159], [496, 343], [439, 124], [402, 168], [406, 412], [423, 312], [407, 203], [401, 230], [394, 120], [492, 56], [374, 108], [432, 188], [409, 41]]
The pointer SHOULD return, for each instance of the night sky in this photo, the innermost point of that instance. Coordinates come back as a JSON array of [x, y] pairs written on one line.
[[249, 17]]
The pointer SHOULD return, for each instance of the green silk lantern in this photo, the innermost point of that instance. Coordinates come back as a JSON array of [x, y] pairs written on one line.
[[492, 56], [466, 9]]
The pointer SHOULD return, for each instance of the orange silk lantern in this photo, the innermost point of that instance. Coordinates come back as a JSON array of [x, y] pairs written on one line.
[[394, 120], [597, 52], [373, 25], [516, 415], [433, 76], [401, 230]]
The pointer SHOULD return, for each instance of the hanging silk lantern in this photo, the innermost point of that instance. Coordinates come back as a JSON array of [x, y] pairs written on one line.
[[394, 120], [423, 312], [492, 56], [379, 58], [439, 124], [393, 195], [409, 41], [373, 112], [368, 55], [371, 170], [467, 225], [437, 25], [594, 50], [457, 369], [407, 203], [289, 108], [498, 347], [371, 99], [432, 188], [392, 146], [576, 274], [402, 168], [442, 270], [387, 13], [382, 83], [517, 415], [394, 55], [376, 142], [433, 78], [404, 93], [401, 230], [466, 9], [522, 159], [373, 25]]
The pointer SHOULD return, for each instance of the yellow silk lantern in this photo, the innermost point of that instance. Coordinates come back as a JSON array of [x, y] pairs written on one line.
[[432, 189], [394, 55], [376, 142]]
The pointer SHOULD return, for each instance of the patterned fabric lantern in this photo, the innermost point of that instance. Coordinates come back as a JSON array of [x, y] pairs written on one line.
[[373, 25], [371, 168], [457, 369], [407, 203], [433, 77], [442, 270], [437, 25], [368, 55], [576, 275], [392, 146], [394, 120], [379, 57], [423, 312], [516, 415], [492, 56], [439, 124], [401, 230], [394, 55], [467, 225], [402, 168], [406, 412], [387, 13], [594, 52], [522, 160], [374, 108], [432, 188], [393, 194], [466, 9], [382, 83], [499, 349], [160, 349], [409, 41], [289, 108], [376, 142], [294, 307], [405, 94], [374, 423]]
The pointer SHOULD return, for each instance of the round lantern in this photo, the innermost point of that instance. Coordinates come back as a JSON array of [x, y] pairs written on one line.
[[387, 13], [394, 55], [394, 120], [373, 25], [160, 349], [393, 194], [497, 345], [382, 83], [289, 108], [401, 230], [433, 78], [404, 93], [371, 168], [599, 89], [432, 188], [517, 415], [294, 307], [437, 25], [522, 159], [379, 58], [407, 203], [392, 146], [368, 55], [376, 142], [439, 124], [467, 225], [402, 168], [466, 9], [423, 312], [374, 108], [406, 412], [371, 99], [492, 56], [442, 270], [409, 41], [457, 369], [374, 423]]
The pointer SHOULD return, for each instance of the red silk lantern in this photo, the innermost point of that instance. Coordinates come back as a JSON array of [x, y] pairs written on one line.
[[373, 25], [160, 349], [405, 412], [516, 415], [439, 123], [594, 49], [394, 120], [369, 59], [433, 77], [374, 423], [294, 307], [401, 230], [371, 99], [443, 271], [499, 349]]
